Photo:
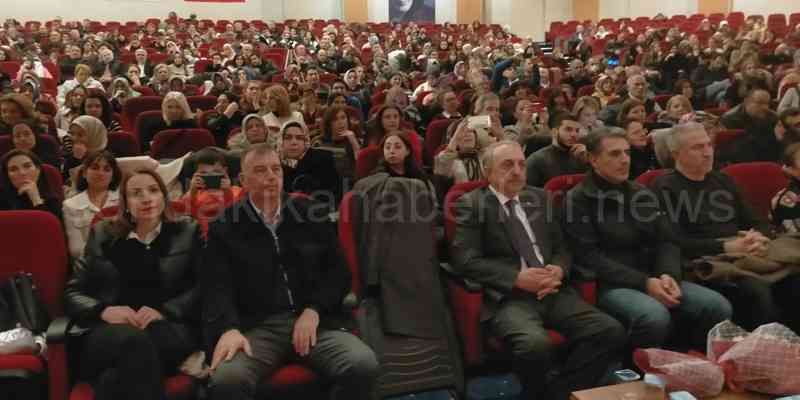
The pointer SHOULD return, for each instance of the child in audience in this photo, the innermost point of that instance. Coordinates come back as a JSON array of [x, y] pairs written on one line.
[[785, 209]]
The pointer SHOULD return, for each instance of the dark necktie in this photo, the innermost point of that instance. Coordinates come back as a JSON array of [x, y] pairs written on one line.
[[520, 238]]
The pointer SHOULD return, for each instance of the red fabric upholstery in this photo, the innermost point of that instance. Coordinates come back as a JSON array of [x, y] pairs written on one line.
[[726, 137], [26, 362], [10, 68], [291, 375], [366, 161], [137, 105], [174, 143], [647, 178], [560, 185], [21, 233], [759, 182], [467, 304], [175, 387], [123, 144], [347, 241], [585, 90], [144, 119], [201, 102], [662, 100], [450, 199], [435, 135], [54, 180], [144, 91]]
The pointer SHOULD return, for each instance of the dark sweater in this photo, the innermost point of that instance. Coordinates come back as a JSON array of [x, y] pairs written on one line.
[[11, 201], [642, 160], [550, 162], [140, 278], [703, 212], [619, 232]]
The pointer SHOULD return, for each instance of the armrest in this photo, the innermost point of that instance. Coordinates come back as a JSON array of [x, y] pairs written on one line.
[[468, 284], [57, 330]]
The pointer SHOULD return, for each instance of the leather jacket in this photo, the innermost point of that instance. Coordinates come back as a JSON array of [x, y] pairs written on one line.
[[95, 282]]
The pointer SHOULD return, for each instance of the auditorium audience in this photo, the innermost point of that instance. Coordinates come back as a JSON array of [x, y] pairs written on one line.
[[617, 230], [275, 116], [99, 178], [24, 186], [14, 108], [566, 155], [460, 160], [136, 290], [211, 189], [175, 114], [720, 221], [96, 105], [302, 317], [305, 169], [504, 241], [27, 136]]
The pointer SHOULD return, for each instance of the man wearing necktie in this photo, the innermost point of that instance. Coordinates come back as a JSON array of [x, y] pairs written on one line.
[[508, 239]]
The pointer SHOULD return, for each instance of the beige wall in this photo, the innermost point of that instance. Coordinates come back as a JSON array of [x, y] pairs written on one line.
[[355, 10], [586, 9], [468, 11], [713, 6]]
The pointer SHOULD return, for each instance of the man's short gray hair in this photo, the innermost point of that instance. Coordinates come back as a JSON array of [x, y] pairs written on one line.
[[675, 139], [487, 156], [629, 82], [259, 149]]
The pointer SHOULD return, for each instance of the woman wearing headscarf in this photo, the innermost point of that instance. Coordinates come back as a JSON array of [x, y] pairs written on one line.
[[254, 131], [120, 92], [87, 134]]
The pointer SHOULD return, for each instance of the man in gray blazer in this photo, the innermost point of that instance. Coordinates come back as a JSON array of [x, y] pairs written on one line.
[[509, 239]]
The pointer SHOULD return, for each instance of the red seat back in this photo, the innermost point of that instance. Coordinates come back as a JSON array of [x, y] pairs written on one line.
[[123, 144], [758, 182], [647, 178], [34, 242], [726, 137], [201, 102], [367, 160], [560, 185], [137, 105], [450, 200], [347, 241], [174, 143], [435, 135]]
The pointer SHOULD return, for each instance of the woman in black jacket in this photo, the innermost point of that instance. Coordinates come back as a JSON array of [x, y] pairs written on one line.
[[175, 114], [135, 289], [23, 185]]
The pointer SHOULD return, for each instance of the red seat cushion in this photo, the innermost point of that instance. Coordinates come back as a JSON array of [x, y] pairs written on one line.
[[180, 386], [291, 375], [25, 362]]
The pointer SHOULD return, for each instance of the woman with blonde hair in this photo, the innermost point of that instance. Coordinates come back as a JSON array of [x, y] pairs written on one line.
[[280, 110], [175, 114], [677, 106], [83, 77], [160, 80], [586, 109]]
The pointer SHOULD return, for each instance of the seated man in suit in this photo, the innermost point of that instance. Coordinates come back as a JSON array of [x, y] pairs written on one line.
[[508, 240], [617, 229], [273, 287]]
